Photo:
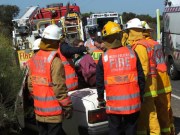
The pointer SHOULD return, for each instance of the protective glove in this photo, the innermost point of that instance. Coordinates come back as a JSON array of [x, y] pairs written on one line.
[[67, 113], [101, 103]]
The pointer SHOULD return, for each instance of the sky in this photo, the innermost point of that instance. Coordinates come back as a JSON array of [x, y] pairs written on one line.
[[135, 6]]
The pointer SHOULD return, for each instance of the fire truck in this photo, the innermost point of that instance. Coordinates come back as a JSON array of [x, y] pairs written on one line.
[[32, 23], [171, 37], [87, 118]]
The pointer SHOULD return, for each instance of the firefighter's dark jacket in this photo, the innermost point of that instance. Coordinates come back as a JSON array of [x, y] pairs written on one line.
[[100, 78], [68, 51]]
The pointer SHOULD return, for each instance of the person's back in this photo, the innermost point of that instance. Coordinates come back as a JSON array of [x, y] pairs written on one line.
[[164, 89], [46, 83], [117, 73], [148, 121]]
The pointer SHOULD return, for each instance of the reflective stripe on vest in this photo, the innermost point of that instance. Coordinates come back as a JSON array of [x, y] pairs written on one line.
[[72, 85], [96, 53], [124, 97], [44, 98], [48, 110], [120, 77], [45, 102], [71, 76], [124, 108]]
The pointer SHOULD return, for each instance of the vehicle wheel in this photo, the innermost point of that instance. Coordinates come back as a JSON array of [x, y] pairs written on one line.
[[173, 73]]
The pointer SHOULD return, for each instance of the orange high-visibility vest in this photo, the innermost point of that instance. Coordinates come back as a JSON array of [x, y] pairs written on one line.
[[96, 52], [164, 84], [121, 81], [71, 76], [158, 55], [150, 51], [45, 102]]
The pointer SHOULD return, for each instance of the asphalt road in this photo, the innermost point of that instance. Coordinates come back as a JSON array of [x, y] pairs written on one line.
[[176, 104]]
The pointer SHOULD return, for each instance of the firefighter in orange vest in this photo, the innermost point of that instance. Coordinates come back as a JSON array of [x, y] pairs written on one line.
[[67, 53], [93, 44], [148, 121], [164, 89], [120, 73], [46, 83]]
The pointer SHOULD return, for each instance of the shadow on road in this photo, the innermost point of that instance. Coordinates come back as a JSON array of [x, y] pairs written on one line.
[[177, 125]]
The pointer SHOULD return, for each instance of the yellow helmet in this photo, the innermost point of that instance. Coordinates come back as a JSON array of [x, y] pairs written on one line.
[[111, 28]]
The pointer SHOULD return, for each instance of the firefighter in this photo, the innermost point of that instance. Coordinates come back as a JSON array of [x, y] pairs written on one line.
[[94, 43], [164, 89], [124, 39], [120, 73], [46, 83], [148, 121], [36, 44], [67, 53]]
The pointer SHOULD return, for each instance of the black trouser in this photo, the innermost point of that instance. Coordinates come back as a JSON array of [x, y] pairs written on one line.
[[50, 128], [122, 124]]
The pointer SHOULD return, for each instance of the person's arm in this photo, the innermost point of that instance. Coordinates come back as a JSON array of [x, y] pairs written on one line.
[[68, 51], [141, 77], [100, 80], [143, 56], [59, 84]]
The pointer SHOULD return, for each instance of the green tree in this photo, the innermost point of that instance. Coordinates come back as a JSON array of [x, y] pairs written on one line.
[[7, 13]]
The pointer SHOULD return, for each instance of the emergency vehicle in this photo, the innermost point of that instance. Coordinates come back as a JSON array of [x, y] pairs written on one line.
[[32, 23], [87, 117], [171, 37], [100, 19]]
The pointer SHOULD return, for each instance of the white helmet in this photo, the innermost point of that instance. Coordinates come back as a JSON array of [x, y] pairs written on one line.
[[52, 32], [36, 44], [134, 23], [145, 25]]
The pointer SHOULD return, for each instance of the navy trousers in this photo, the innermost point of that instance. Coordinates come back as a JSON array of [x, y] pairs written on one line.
[[123, 124]]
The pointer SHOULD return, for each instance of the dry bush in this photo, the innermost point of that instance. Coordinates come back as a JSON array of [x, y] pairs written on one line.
[[10, 81]]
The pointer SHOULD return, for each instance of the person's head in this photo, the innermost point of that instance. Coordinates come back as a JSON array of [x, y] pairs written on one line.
[[111, 35], [134, 24], [36, 44], [134, 30], [52, 35], [147, 29], [78, 42], [92, 32]]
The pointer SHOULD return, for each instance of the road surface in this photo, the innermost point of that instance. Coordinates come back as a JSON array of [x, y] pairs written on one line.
[[176, 104]]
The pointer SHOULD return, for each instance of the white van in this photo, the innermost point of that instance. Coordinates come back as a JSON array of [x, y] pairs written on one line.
[[171, 37]]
